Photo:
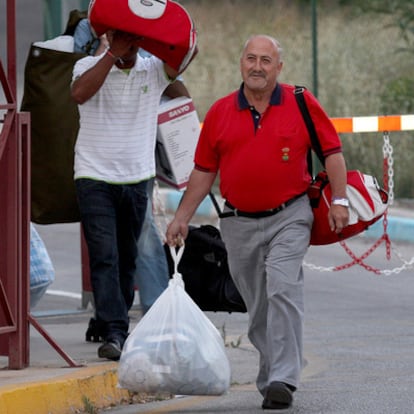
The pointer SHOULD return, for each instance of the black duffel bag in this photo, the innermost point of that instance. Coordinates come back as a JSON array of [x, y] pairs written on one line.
[[205, 271]]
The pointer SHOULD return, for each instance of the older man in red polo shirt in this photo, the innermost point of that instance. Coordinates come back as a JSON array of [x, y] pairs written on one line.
[[257, 139]]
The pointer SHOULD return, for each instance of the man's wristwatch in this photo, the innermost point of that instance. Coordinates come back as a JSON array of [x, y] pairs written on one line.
[[337, 201]]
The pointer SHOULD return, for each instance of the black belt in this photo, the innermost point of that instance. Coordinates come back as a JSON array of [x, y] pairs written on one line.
[[257, 214]]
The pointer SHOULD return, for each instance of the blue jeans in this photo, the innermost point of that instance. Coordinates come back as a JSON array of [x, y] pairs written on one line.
[[152, 269], [112, 218]]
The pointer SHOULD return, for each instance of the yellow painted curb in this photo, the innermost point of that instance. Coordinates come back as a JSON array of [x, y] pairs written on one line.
[[65, 394]]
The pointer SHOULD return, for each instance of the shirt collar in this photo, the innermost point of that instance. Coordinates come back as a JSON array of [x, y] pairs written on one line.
[[275, 99], [139, 66]]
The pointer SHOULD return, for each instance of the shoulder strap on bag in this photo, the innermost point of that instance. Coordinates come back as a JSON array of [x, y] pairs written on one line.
[[300, 99], [215, 203]]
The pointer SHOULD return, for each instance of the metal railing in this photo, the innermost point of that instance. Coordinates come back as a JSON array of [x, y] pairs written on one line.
[[14, 211]]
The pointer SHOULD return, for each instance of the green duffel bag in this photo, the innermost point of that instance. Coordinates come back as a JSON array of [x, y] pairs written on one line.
[[54, 129]]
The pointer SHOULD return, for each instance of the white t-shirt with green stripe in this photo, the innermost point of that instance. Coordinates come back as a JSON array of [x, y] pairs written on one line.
[[118, 125]]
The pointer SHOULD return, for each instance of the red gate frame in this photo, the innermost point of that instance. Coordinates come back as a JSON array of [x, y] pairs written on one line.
[[15, 317], [14, 212]]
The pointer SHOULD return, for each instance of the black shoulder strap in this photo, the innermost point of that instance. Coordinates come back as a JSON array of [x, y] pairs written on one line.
[[215, 203], [300, 99]]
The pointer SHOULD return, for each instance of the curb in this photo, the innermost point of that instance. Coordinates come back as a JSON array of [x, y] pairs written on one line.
[[398, 228], [65, 394], [171, 199]]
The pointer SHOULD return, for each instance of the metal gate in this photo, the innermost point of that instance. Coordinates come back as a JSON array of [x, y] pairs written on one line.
[[14, 211]]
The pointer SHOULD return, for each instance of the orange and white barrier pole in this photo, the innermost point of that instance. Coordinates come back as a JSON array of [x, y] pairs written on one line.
[[374, 123]]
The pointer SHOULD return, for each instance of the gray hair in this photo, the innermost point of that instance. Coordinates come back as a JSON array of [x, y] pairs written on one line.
[[271, 39]]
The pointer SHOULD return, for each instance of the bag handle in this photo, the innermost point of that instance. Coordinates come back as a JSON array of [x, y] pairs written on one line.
[[176, 256]]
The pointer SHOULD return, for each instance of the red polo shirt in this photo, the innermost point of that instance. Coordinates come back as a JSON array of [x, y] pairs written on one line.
[[262, 159]]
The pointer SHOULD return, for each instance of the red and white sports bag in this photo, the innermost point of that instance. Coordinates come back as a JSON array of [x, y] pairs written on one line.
[[367, 204], [165, 27]]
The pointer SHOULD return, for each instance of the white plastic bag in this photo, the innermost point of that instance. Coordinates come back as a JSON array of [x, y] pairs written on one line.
[[175, 348]]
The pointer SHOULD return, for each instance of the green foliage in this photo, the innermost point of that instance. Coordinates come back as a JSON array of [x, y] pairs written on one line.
[[402, 13], [398, 97], [89, 408]]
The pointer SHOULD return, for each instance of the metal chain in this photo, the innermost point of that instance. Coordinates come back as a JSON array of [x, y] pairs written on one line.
[[318, 268], [407, 264], [387, 151], [355, 259]]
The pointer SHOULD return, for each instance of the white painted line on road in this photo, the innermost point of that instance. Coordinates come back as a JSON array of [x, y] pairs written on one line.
[[64, 293]]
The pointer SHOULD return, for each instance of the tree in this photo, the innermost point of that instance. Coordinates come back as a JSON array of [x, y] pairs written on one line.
[[402, 17]]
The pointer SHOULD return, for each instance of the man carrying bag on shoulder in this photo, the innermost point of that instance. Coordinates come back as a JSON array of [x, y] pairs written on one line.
[[257, 139]]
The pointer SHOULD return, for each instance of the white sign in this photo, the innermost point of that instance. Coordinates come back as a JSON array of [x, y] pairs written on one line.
[[177, 136]]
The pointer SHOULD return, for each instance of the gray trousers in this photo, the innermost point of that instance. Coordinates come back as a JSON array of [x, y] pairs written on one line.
[[265, 259]]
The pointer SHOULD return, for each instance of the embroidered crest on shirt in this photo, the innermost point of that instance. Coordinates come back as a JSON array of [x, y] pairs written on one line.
[[285, 154]]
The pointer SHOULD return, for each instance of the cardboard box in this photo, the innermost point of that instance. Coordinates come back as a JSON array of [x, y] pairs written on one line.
[[177, 136]]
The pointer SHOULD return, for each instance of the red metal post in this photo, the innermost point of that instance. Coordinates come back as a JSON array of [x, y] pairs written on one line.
[[14, 212]]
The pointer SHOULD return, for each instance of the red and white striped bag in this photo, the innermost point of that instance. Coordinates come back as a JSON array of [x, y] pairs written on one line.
[[367, 204]]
